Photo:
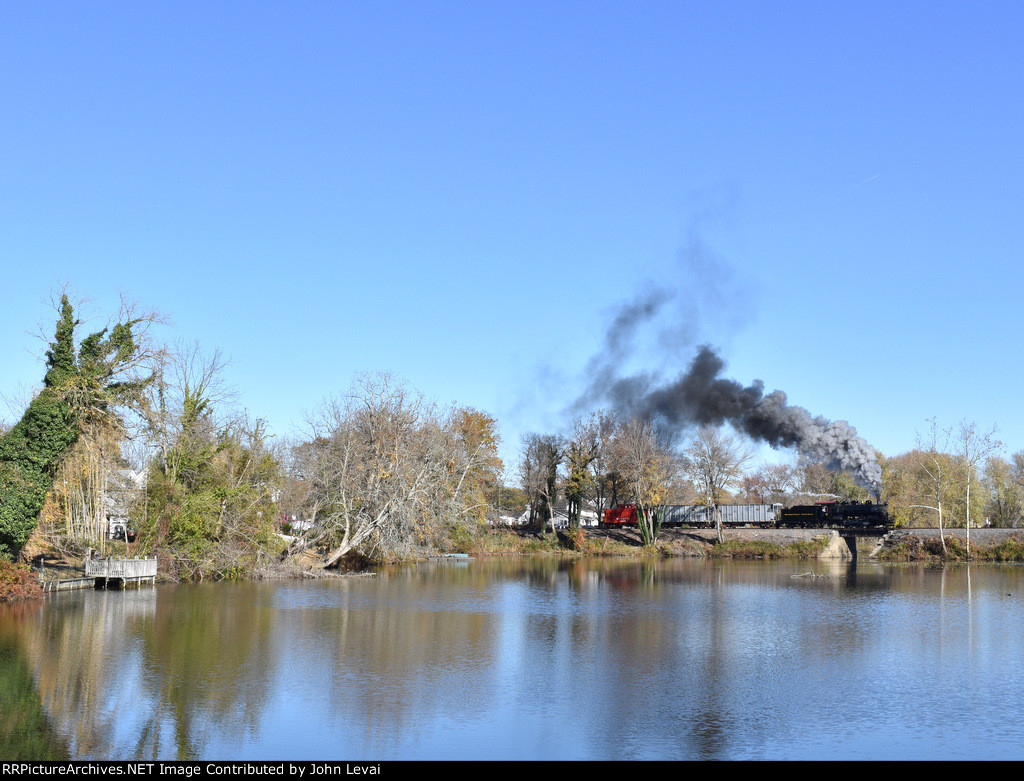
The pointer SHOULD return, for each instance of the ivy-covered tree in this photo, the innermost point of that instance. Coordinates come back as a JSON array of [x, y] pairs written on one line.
[[87, 386], [539, 468]]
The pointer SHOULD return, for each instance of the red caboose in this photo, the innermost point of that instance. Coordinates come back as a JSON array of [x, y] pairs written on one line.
[[621, 515]]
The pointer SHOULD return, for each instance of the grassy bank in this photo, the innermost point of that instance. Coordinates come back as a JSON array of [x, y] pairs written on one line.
[[587, 542], [517, 542], [756, 549], [1009, 550]]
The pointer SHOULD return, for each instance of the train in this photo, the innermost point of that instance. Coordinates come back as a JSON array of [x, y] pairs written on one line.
[[821, 515], [841, 515]]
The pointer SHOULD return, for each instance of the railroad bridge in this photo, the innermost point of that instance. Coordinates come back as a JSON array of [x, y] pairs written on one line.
[[982, 537]]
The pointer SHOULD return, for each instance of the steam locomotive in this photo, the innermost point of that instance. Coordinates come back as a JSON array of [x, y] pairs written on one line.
[[823, 515], [843, 515]]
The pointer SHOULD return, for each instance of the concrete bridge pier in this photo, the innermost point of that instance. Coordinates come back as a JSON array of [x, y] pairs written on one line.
[[841, 546], [851, 545]]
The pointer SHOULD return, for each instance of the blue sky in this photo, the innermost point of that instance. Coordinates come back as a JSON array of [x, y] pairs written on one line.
[[464, 194]]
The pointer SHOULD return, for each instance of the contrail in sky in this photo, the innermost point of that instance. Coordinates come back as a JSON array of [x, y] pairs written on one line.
[[870, 178]]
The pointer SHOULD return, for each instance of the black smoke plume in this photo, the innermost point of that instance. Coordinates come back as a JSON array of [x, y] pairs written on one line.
[[701, 396], [703, 294]]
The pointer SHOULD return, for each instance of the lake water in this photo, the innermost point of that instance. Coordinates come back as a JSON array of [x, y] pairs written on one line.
[[528, 660]]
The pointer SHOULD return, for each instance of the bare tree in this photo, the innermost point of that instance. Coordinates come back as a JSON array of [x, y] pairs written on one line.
[[716, 462], [935, 462], [770, 484], [603, 479], [648, 468], [974, 447], [362, 466], [380, 467]]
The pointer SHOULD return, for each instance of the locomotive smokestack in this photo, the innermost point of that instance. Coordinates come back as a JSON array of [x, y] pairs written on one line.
[[700, 396]]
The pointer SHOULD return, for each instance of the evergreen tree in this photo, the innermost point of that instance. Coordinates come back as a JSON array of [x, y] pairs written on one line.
[[77, 389]]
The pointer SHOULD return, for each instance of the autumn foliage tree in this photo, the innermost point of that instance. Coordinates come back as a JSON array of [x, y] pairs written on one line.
[[583, 449], [476, 443], [648, 470], [1004, 483]]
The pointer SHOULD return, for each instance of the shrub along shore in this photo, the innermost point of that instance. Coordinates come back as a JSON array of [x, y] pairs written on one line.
[[20, 581]]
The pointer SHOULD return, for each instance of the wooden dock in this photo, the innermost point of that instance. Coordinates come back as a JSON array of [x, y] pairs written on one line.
[[452, 558], [119, 573], [67, 584]]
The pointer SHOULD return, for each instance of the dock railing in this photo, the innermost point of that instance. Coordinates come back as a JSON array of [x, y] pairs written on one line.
[[128, 569]]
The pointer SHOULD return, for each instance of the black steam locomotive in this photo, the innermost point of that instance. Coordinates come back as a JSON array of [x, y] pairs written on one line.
[[844, 515]]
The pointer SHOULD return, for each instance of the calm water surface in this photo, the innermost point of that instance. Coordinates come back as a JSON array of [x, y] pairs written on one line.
[[536, 659]]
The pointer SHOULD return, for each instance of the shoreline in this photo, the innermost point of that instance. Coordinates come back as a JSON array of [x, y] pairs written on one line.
[[988, 546]]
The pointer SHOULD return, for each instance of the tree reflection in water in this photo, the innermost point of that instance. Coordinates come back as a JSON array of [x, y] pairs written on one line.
[[527, 659]]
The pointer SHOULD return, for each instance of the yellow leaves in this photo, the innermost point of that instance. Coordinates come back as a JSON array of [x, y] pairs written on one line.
[[478, 433], [477, 429]]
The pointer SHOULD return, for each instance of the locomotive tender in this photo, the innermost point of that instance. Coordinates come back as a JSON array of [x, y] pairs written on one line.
[[844, 515], [822, 515]]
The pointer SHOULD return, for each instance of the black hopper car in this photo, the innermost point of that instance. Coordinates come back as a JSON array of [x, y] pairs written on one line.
[[844, 515]]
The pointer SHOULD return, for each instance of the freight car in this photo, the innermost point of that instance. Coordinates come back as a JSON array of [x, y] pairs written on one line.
[[843, 515], [697, 515]]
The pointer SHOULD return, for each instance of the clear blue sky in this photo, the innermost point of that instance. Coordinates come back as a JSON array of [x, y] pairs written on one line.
[[463, 193]]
